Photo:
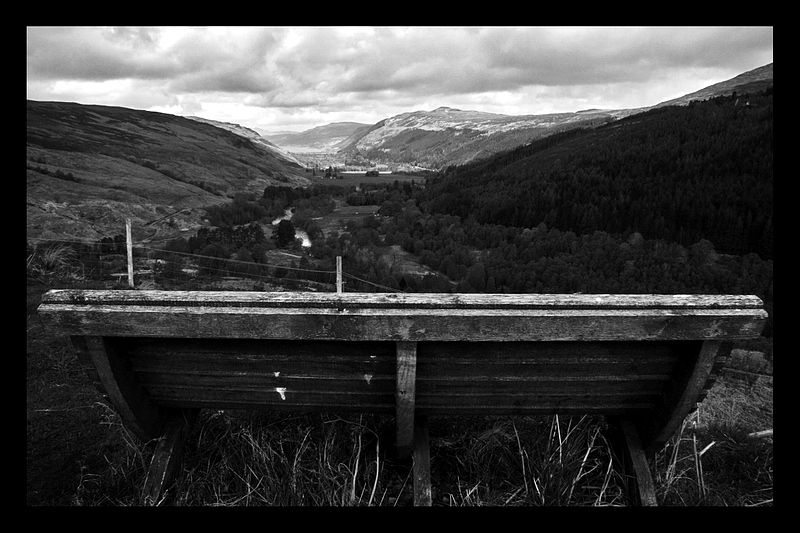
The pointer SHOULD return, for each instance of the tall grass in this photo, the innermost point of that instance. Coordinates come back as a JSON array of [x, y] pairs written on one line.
[[52, 261], [244, 458], [270, 459], [527, 461], [718, 456]]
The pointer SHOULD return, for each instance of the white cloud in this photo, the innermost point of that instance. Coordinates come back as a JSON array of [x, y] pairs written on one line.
[[305, 76]]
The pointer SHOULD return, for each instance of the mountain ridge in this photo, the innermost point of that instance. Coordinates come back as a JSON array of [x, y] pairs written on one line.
[[248, 133], [750, 81], [329, 137], [448, 136]]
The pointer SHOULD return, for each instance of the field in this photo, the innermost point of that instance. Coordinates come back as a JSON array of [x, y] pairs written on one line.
[[78, 453], [343, 214]]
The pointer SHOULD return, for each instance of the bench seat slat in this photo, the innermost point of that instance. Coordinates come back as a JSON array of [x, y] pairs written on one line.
[[403, 317], [412, 301], [505, 327], [386, 404]]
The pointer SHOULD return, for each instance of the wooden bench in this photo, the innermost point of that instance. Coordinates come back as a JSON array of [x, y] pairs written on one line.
[[645, 361]]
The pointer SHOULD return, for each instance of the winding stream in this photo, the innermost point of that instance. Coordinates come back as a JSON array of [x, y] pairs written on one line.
[[300, 234]]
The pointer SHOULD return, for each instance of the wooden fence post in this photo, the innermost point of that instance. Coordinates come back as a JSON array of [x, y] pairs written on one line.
[[339, 274], [130, 251]]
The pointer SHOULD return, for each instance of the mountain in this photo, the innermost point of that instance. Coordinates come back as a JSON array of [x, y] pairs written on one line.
[[328, 138], [679, 173], [253, 135], [751, 81], [90, 167], [446, 136]]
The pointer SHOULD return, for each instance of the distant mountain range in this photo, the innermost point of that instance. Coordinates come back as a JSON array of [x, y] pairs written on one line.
[[447, 136], [328, 138]]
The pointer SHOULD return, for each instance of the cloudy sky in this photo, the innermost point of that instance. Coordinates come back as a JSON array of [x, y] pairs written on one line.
[[296, 78]]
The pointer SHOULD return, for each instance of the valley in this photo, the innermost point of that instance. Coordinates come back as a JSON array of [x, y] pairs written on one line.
[[674, 199], [218, 190]]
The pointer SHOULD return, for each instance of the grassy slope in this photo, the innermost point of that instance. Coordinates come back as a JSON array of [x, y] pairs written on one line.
[[123, 163]]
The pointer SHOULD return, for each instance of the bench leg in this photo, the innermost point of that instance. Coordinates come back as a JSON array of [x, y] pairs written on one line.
[[167, 456], [422, 463], [631, 452], [412, 430], [405, 396]]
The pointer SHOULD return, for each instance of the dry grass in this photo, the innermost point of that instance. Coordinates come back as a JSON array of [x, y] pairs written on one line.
[[52, 261], [722, 455], [243, 458], [271, 459]]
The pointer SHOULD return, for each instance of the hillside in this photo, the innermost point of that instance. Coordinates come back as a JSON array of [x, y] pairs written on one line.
[[752, 81], [446, 136], [252, 135], [90, 167], [327, 138], [676, 173]]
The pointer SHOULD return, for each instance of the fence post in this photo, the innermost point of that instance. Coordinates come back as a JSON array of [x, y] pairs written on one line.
[[339, 274], [130, 251]]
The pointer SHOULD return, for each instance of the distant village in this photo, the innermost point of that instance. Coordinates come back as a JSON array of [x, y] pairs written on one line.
[[337, 172]]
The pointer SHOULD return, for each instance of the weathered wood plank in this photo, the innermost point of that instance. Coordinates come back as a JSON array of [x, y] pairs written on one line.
[[422, 463], [333, 383], [269, 397], [406, 396], [641, 489], [681, 397], [523, 351], [398, 300], [402, 325], [167, 455], [137, 411], [402, 317]]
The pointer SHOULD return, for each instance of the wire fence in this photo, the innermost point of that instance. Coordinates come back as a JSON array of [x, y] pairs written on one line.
[[76, 262]]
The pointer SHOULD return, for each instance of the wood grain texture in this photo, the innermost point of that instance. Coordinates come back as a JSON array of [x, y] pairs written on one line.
[[628, 447], [422, 463], [399, 300], [686, 387], [402, 317], [136, 409], [406, 396], [167, 455]]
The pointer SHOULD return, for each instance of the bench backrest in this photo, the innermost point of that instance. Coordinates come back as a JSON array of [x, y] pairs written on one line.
[[648, 357]]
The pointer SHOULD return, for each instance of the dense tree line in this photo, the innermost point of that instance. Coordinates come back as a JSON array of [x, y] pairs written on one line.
[[681, 174], [495, 258]]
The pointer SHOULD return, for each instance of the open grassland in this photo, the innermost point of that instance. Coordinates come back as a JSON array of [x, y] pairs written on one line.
[[78, 453]]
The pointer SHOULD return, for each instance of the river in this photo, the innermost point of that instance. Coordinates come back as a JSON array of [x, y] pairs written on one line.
[[300, 234]]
